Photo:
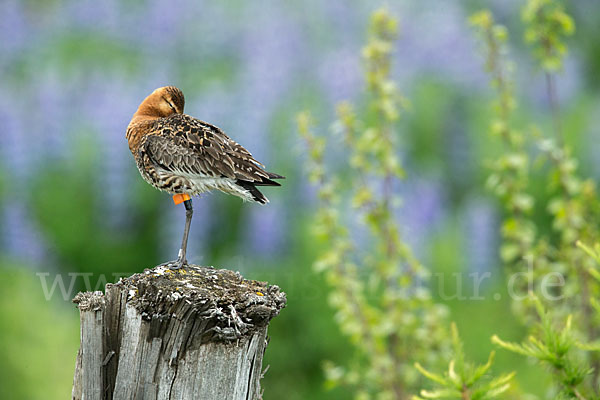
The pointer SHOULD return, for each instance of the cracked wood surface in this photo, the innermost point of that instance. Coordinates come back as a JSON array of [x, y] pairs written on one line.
[[192, 333]]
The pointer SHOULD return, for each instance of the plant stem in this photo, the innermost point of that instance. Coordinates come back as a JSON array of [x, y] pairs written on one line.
[[578, 395], [465, 393]]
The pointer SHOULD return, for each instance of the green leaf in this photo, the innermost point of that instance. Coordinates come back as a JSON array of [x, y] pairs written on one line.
[[441, 394], [481, 370], [514, 347], [430, 375]]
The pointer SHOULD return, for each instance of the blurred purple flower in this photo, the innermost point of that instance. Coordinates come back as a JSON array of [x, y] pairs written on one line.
[[159, 24], [214, 107], [14, 28], [50, 120], [437, 40], [343, 20], [19, 238], [568, 83], [15, 155], [481, 235], [340, 75], [108, 105], [99, 16], [266, 230], [423, 207], [270, 52], [340, 69]]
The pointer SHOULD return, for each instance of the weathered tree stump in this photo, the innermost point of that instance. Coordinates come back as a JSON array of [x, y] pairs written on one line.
[[192, 333]]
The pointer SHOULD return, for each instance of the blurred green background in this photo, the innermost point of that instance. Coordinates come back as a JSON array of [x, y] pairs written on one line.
[[74, 213]]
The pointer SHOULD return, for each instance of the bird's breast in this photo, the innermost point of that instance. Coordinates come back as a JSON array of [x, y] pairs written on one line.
[[137, 129]]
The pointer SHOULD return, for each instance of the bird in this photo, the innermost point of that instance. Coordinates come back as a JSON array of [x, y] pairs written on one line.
[[184, 156]]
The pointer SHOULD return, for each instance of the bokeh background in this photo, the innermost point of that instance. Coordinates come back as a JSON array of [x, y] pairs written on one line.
[[74, 212]]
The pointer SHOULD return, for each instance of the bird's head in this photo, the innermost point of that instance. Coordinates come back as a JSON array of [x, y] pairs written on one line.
[[163, 102]]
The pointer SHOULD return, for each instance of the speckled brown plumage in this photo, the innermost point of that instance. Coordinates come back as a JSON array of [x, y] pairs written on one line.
[[179, 154]]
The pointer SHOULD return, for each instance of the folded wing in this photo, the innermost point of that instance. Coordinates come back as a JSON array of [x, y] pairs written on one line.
[[183, 145]]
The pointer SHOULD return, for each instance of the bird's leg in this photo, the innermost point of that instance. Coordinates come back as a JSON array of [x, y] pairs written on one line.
[[189, 211], [181, 260]]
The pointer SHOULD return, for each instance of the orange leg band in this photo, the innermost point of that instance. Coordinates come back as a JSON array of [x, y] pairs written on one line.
[[180, 198]]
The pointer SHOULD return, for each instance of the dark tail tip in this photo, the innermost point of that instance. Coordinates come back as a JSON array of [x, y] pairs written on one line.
[[269, 181], [256, 194], [273, 175]]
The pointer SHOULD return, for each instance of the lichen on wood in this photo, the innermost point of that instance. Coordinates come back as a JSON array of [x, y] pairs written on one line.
[[194, 332]]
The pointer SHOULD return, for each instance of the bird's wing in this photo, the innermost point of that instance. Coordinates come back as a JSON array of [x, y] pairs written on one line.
[[184, 145]]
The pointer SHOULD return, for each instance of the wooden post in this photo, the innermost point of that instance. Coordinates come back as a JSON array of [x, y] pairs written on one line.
[[192, 333]]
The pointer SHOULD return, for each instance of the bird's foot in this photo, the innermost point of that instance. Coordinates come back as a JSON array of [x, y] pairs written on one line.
[[175, 264]]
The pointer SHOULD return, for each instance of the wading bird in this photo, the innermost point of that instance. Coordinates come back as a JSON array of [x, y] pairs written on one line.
[[184, 156]]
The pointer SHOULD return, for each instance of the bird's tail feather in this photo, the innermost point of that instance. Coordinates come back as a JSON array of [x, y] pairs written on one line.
[[270, 181], [273, 175], [256, 194]]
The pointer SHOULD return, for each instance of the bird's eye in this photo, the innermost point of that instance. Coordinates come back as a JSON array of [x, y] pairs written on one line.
[[170, 104]]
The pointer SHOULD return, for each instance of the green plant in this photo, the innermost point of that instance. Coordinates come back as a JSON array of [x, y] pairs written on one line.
[[556, 349], [378, 287], [573, 204], [509, 178], [547, 24], [464, 380]]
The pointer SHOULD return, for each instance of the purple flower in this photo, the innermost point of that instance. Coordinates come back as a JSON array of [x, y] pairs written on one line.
[[481, 235], [92, 15], [15, 154], [14, 29], [341, 74], [109, 106], [266, 232], [19, 237], [50, 122], [423, 207], [437, 40]]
